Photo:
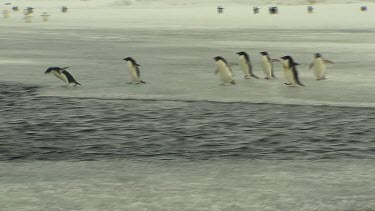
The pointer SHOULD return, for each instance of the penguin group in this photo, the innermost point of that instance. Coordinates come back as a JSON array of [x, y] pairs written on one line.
[[289, 68], [224, 70]]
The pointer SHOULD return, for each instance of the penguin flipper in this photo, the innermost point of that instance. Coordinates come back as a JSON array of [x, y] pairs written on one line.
[[296, 78], [61, 70], [328, 62]]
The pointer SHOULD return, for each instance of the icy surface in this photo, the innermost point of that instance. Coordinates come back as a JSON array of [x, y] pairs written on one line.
[[175, 42], [206, 185]]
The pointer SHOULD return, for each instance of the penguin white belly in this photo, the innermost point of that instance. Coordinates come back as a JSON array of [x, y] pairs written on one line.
[[289, 77], [244, 67], [267, 68], [225, 74], [319, 69], [60, 76], [133, 73]]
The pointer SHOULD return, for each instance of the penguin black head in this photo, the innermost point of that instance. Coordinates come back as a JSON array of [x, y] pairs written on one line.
[[286, 58], [218, 58], [264, 53], [128, 59], [131, 60], [290, 60], [318, 55], [54, 68], [244, 54]]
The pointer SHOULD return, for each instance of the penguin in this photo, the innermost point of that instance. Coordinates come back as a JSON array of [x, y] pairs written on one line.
[[224, 70], [319, 66], [290, 71], [267, 64], [134, 71], [62, 74], [246, 66]]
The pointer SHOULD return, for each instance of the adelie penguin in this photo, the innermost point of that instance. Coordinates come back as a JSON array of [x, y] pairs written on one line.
[[267, 65], [62, 74], [290, 71], [319, 66], [246, 66], [224, 70], [134, 71]]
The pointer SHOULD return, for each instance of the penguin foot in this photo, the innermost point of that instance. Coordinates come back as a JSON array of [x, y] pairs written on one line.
[[288, 84], [266, 78], [246, 77], [233, 82], [129, 83]]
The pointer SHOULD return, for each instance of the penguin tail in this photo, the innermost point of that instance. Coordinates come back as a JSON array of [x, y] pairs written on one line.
[[76, 83]]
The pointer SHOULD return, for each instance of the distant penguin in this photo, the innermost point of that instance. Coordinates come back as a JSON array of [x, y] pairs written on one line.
[[134, 70], [267, 64], [224, 70], [319, 66], [290, 71], [246, 66], [62, 74]]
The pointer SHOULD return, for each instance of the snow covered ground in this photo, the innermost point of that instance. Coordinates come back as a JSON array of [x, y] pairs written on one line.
[[167, 36]]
